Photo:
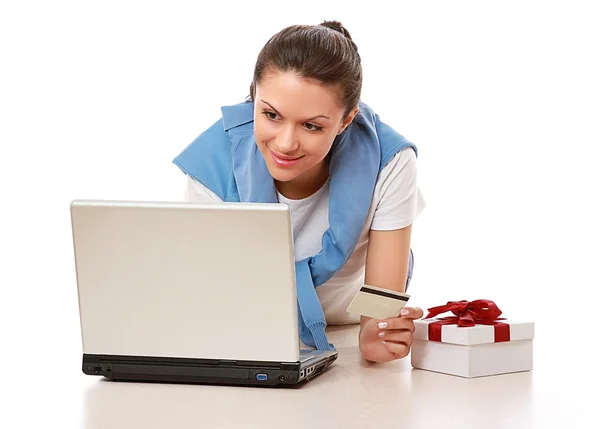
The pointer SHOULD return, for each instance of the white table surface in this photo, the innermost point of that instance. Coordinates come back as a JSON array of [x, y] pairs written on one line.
[[51, 390]]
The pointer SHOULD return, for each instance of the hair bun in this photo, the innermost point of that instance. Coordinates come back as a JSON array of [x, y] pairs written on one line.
[[337, 26]]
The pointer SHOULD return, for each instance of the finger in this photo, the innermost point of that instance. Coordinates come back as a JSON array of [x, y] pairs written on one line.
[[411, 313], [397, 323], [398, 349], [405, 337]]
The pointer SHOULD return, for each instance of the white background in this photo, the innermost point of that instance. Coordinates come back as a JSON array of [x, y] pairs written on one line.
[[96, 98]]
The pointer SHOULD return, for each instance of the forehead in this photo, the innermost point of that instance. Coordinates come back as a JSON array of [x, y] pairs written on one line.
[[296, 96]]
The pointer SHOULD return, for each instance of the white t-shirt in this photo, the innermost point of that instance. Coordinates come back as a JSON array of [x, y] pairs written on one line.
[[396, 203]]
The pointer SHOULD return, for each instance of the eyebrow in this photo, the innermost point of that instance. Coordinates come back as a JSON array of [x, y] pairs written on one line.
[[309, 119]]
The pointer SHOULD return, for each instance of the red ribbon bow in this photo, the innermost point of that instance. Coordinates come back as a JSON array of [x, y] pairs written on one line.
[[480, 311]]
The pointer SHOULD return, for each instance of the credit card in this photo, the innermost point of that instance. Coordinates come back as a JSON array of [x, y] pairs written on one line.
[[379, 303]]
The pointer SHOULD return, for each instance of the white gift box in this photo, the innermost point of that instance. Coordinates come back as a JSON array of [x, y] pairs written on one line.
[[472, 351]]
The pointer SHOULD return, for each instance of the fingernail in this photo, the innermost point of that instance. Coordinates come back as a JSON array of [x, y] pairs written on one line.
[[382, 325], [404, 312], [381, 334]]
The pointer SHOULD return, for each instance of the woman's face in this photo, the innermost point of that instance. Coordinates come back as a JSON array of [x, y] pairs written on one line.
[[295, 123]]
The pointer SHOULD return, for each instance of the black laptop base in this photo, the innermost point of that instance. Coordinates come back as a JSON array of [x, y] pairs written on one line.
[[199, 371]]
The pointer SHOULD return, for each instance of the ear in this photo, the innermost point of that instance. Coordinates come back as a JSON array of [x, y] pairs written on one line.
[[348, 120]]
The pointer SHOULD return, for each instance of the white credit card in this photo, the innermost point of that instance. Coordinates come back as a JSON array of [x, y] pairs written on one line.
[[379, 303]]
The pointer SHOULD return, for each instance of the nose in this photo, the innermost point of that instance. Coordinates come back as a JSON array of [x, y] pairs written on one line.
[[287, 141]]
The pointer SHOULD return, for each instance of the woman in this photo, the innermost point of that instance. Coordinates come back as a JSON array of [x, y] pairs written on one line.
[[304, 139]]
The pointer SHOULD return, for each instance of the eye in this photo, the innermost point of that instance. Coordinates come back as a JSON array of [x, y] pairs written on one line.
[[271, 115], [312, 127]]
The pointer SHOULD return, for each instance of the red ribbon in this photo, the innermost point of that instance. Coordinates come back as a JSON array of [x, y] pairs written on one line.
[[480, 312]]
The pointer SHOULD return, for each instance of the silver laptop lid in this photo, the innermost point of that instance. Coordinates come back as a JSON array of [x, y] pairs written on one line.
[[189, 280]]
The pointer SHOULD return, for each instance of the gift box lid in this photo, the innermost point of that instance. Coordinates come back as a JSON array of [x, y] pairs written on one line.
[[472, 335]]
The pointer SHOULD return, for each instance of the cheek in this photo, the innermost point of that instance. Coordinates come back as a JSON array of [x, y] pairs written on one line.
[[318, 146], [264, 131]]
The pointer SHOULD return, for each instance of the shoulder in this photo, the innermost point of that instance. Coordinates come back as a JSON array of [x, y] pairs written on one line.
[[390, 140], [211, 138], [208, 158], [214, 145], [401, 167], [397, 200], [211, 148]]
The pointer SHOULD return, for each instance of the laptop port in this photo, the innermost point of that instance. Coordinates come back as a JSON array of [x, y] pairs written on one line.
[[261, 377]]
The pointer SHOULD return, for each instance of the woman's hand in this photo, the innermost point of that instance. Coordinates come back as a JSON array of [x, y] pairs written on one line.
[[390, 339]]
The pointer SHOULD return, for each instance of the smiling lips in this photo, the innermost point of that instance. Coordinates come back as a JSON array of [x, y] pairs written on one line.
[[284, 161]]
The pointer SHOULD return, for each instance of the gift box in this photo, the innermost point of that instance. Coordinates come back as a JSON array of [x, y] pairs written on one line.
[[474, 342]]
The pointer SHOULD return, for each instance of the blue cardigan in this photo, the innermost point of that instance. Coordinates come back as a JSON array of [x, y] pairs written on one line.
[[226, 160]]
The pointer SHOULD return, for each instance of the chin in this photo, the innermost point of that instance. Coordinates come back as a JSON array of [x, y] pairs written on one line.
[[282, 175]]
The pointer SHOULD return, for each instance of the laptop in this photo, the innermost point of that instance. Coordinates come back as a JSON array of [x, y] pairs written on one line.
[[189, 293]]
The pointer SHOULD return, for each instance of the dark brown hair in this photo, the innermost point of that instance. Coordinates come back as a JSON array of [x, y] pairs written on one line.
[[325, 52]]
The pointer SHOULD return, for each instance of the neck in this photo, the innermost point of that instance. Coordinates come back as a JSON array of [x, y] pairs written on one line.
[[306, 184]]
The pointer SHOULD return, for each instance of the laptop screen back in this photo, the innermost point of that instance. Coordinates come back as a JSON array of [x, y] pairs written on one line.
[[213, 281]]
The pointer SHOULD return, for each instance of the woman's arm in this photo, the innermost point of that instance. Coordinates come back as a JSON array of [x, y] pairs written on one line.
[[387, 258], [387, 267], [388, 255]]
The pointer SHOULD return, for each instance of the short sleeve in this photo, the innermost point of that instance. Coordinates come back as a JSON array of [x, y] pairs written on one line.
[[400, 199], [196, 192]]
